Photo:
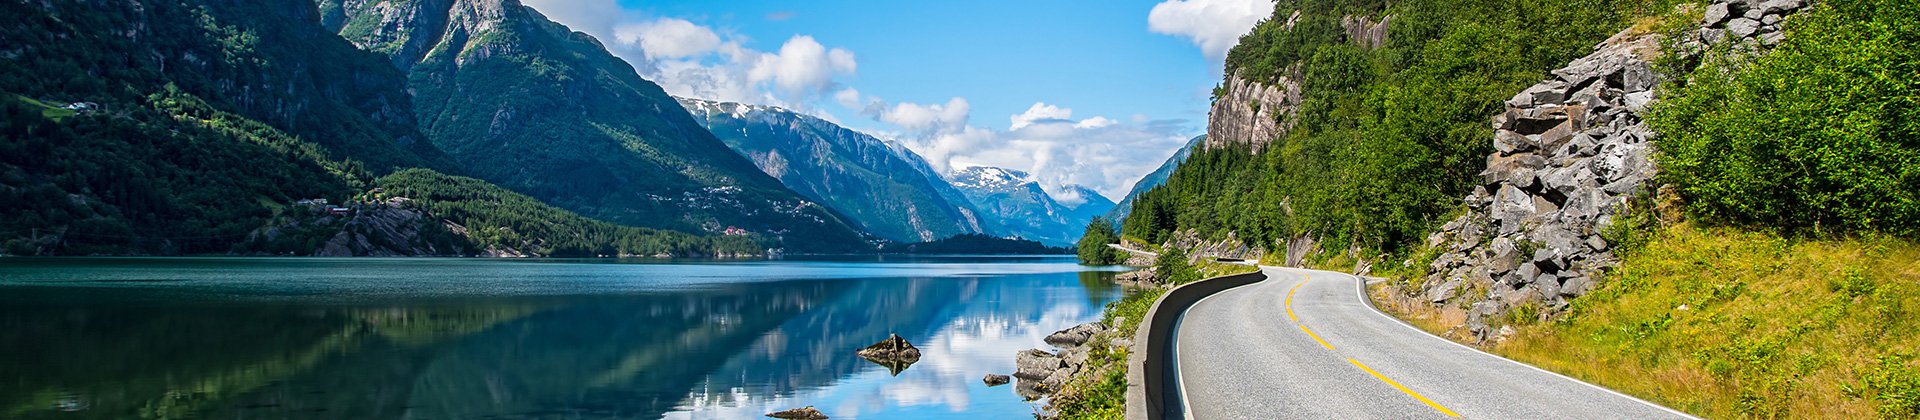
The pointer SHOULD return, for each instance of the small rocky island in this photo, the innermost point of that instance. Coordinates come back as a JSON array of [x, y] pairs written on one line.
[[894, 352], [802, 413]]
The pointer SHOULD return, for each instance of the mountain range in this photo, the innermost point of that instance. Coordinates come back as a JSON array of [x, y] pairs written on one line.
[[197, 126], [882, 187], [1020, 207], [528, 104]]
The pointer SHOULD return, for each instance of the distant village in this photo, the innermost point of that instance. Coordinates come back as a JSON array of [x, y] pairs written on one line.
[[321, 205]]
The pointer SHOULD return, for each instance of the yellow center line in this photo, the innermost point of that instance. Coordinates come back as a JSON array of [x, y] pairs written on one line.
[[1296, 288], [1316, 337], [1383, 378]]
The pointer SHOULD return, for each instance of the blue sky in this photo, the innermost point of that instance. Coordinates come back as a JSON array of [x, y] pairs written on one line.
[[1075, 92]]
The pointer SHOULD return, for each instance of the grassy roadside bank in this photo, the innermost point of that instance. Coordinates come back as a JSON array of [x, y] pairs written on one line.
[[1100, 390], [1724, 323]]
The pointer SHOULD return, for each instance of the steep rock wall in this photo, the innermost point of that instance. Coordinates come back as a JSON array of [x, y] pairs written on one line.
[[1252, 113]]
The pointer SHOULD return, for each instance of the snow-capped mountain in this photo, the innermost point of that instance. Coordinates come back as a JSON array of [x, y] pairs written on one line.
[[882, 187], [1019, 206]]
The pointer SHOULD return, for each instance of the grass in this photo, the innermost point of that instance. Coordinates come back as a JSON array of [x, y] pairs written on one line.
[[48, 110], [1100, 391], [1725, 323]]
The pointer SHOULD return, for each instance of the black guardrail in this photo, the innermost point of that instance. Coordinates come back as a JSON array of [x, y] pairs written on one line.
[[1150, 382]]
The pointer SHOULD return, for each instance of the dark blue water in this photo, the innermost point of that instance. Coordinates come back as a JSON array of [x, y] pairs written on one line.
[[492, 338]]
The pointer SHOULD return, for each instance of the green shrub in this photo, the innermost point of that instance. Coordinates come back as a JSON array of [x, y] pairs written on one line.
[[1172, 267], [1093, 244], [1820, 135]]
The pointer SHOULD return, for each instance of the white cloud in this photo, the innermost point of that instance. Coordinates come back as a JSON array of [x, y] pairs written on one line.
[[803, 67], [1213, 25], [934, 119], [1104, 154], [694, 60], [668, 38], [1039, 112], [849, 98], [1095, 122]]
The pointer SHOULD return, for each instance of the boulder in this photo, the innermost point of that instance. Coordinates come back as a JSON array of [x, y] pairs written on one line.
[[1743, 27], [1557, 136], [1510, 207], [1637, 77], [994, 379], [1717, 13], [1508, 142], [1445, 291], [802, 413], [1505, 256], [1534, 121], [1596, 243], [1500, 166], [1522, 178], [1576, 286], [1638, 101], [1521, 276], [1547, 261], [1075, 336], [1775, 7], [1570, 179], [1772, 38], [1035, 364]]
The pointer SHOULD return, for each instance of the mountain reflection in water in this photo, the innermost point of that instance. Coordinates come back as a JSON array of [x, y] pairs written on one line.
[[434, 339]]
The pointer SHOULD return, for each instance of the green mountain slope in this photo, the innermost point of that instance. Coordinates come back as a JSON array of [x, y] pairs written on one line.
[[210, 118], [495, 218], [530, 105], [210, 115], [1153, 179], [873, 183]]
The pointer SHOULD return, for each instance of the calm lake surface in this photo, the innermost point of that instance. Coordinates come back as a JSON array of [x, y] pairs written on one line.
[[494, 338]]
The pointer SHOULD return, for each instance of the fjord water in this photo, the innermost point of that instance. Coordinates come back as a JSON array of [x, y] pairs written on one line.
[[491, 338]]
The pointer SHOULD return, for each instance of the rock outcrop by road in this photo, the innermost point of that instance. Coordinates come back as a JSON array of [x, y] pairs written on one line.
[[1252, 113], [1570, 152]]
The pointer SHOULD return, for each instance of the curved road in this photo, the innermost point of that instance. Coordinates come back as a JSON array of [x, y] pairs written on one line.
[[1302, 344]]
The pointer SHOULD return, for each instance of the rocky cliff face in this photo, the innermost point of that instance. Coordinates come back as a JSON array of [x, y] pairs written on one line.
[[1252, 113], [1570, 153], [1255, 112]]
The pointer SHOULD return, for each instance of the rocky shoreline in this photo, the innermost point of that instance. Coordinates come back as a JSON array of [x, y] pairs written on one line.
[[1043, 372]]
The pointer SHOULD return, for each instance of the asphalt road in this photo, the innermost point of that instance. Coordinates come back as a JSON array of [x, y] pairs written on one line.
[[1302, 344]]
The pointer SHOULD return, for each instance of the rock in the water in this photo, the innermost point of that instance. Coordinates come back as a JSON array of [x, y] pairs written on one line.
[[994, 379], [894, 352], [802, 413], [1074, 336]]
